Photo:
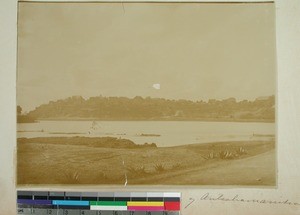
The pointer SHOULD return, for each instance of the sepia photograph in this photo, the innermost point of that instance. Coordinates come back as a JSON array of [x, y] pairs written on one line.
[[136, 93]]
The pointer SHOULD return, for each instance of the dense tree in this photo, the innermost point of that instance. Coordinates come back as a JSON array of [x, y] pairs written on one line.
[[19, 110], [139, 108]]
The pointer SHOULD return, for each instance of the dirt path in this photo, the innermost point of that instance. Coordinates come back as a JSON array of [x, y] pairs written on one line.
[[255, 170]]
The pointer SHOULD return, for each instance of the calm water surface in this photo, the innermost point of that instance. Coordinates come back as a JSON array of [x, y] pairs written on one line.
[[163, 133]]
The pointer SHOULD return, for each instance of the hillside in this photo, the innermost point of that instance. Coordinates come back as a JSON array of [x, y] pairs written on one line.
[[138, 108]]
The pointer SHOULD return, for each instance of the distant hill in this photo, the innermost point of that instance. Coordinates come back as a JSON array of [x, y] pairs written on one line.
[[138, 108], [23, 118]]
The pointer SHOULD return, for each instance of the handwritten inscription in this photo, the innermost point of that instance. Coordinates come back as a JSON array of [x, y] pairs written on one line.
[[237, 198], [191, 202]]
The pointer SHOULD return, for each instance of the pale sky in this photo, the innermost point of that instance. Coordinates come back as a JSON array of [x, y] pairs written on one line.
[[194, 51]]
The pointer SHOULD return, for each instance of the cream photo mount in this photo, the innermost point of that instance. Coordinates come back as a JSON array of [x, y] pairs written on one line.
[[287, 151]]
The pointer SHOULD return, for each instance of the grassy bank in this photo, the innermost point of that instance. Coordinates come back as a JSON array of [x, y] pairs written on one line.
[[97, 161]]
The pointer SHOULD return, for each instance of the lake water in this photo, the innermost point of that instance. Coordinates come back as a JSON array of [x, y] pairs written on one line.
[[163, 133]]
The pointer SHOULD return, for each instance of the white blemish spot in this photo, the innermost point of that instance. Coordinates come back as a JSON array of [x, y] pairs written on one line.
[[156, 86], [126, 181]]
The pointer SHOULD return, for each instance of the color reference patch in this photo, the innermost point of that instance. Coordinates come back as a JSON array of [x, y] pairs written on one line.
[[98, 203]]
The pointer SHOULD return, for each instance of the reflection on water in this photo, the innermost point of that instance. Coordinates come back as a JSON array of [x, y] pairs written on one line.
[[163, 133]]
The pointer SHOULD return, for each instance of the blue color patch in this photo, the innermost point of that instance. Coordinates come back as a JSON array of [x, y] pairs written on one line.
[[71, 202]]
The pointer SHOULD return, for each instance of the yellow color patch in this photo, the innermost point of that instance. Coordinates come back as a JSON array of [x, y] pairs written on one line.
[[145, 203]]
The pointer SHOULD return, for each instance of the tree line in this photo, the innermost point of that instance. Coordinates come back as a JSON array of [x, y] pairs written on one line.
[[139, 108]]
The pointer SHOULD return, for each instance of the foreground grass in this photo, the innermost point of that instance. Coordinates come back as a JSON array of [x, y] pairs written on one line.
[[88, 162]]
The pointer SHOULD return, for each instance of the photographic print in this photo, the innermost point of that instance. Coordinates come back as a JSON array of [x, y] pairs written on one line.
[[139, 93]]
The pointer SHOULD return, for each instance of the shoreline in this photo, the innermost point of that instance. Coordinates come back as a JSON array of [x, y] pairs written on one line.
[[93, 141]]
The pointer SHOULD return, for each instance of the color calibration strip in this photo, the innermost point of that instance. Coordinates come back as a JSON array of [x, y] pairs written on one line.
[[98, 203]]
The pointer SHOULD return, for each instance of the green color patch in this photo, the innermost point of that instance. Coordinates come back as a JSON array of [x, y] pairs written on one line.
[[109, 203]]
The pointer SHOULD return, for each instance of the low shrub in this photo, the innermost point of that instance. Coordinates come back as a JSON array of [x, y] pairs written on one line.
[[159, 168]]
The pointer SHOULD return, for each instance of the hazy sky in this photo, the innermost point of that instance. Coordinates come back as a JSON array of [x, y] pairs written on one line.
[[194, 51]]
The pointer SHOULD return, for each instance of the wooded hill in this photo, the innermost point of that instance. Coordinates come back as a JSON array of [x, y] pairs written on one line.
[[139, 108]]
